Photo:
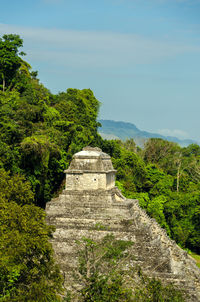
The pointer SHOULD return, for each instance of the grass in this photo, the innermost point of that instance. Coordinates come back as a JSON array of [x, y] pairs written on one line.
[[196, 258]]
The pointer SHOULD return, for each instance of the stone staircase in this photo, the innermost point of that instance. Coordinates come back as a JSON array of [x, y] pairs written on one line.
[[94, 214]]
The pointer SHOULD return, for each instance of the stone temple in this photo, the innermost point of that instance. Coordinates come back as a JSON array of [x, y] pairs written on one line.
[[90, 169], [90, 198]]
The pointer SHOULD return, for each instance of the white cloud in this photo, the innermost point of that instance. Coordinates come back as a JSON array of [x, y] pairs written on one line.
[[174, 132], [94, 49]]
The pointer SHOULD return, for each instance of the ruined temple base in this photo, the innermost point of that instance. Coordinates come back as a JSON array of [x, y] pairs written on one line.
[[75, 214]]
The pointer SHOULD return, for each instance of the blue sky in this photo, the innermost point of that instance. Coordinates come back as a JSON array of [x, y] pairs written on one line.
[[141, 58]]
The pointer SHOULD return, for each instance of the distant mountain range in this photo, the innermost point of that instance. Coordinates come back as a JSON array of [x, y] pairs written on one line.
[[121, 130]]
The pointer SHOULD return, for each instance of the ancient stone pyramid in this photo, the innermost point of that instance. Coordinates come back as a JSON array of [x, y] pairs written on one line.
[[91, 199]]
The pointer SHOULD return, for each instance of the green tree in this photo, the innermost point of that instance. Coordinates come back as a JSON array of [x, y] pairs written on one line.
[[9, 58], [155, 209], [27, 268], [15, 188], [182, 215], [131, 170], [163, 153], [100, 270], [38, 153], [152, 290]]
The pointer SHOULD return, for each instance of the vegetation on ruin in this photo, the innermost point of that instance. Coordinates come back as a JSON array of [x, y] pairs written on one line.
[[108, 274], [39, 133]]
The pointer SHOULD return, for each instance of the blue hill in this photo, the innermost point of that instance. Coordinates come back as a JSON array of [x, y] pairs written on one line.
[[122, 130]]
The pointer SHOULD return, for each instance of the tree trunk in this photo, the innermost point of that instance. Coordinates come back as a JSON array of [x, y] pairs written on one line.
[[4, 83], [178, 176]]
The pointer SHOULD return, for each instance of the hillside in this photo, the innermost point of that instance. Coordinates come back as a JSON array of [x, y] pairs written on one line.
[[121, 130]]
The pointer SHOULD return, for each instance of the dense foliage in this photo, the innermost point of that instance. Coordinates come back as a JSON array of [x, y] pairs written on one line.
[[10, 61], [166, 180], [39, 133], [27, 268]]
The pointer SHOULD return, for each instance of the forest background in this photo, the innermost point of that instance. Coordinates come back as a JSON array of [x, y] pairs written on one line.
[[39, 133]]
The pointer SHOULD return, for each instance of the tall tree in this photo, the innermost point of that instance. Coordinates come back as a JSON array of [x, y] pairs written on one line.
[[10, 60]]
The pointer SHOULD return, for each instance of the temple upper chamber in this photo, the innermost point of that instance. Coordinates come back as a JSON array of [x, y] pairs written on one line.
[[90, 169]]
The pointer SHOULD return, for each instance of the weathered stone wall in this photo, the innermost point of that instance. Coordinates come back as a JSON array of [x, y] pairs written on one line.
[[76, 214], [86, 181], [110, 180]]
